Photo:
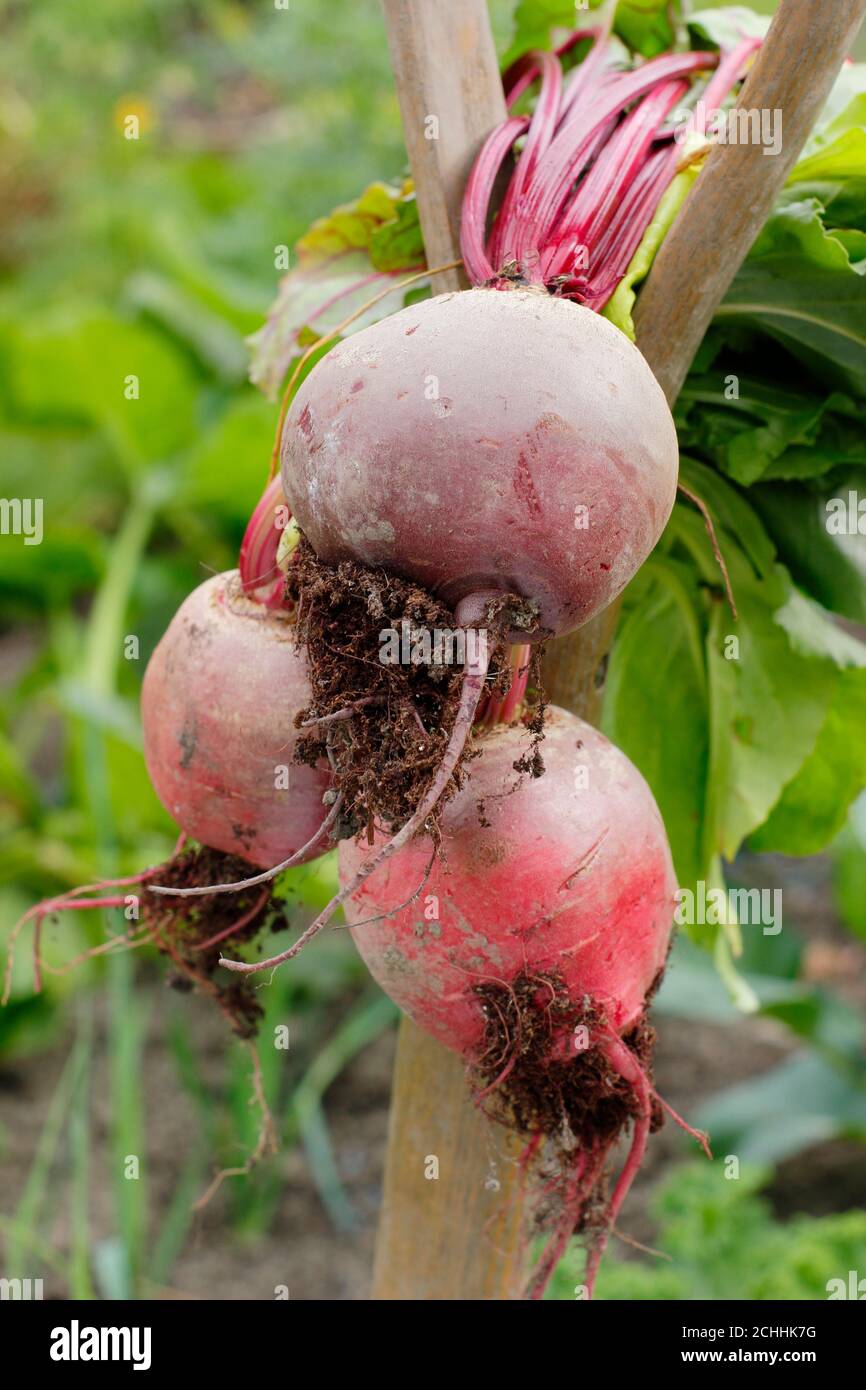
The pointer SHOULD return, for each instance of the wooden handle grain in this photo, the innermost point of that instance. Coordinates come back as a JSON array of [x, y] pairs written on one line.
[[434, 1241], [450, 98]]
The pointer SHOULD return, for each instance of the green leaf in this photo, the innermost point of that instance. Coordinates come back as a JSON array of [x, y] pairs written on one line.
[[344, 260], [730, 509], [768, 704], [226, 469], [843, 200], [534, 23], [801, 1102], [398, 244], [799, 287], [69, 561], [756, 430], [647, 26], [814, 633], [837, 147], [216, 344], [80, 365], [352, 226], [721, 1242], [655, 706], [830, 566]]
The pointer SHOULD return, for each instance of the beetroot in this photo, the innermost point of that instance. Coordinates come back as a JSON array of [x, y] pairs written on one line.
[[486, 440], [533, 947], [218, 700]]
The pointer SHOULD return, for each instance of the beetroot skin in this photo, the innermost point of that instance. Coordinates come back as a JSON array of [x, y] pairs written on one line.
[[564, 877], [486, 440], [219, 697]]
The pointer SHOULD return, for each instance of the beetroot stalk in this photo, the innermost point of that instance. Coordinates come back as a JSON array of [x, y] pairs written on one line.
[[566, 157], [606, 184], [261, 578], [524, 71]]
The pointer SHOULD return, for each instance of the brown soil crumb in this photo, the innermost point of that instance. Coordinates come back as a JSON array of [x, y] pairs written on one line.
[[180, 926], [383, 757]]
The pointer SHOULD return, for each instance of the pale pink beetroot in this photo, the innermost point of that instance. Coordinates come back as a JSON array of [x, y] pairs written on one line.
[[218, 703], [486, 440]]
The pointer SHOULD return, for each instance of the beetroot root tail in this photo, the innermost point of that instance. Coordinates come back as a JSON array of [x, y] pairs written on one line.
[[239, 885], [626, 1064], [473, 685], [698, 1135], [588, 1169]]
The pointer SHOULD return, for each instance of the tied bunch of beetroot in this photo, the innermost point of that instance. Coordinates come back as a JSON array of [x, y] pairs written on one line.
[[468, 479]]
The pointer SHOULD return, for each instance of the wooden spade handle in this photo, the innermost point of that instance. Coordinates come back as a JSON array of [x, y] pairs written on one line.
[[458, 1235]]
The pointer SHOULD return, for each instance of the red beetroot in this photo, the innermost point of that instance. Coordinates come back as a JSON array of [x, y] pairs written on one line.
[[486, 440], [565, 877], [218, 702], [534, 944]]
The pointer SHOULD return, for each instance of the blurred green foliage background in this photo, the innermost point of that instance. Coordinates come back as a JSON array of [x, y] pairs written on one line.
[[155, 257]]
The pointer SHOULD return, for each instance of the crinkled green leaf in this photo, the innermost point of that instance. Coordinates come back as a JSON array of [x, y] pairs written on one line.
[[719, 1236], [757, 430], [843, 200], [837, 146], [398, 244], [814, 806], [831, 567], [799, 287], [78, 365], [351, 226]]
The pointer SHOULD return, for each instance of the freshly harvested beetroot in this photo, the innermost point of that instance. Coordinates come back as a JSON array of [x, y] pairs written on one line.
[[218, 702], [489, 440], [532, 947], [554, 875]]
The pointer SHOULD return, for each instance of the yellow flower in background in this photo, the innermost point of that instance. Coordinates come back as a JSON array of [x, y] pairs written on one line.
[[133, 116]]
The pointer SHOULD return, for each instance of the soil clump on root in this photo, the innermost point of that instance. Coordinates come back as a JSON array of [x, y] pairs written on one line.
[[383, 725], [193, 932], [570, 1102]]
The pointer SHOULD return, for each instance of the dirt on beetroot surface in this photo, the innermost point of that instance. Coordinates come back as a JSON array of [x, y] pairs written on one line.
[[403, 711], [302, 1250]]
